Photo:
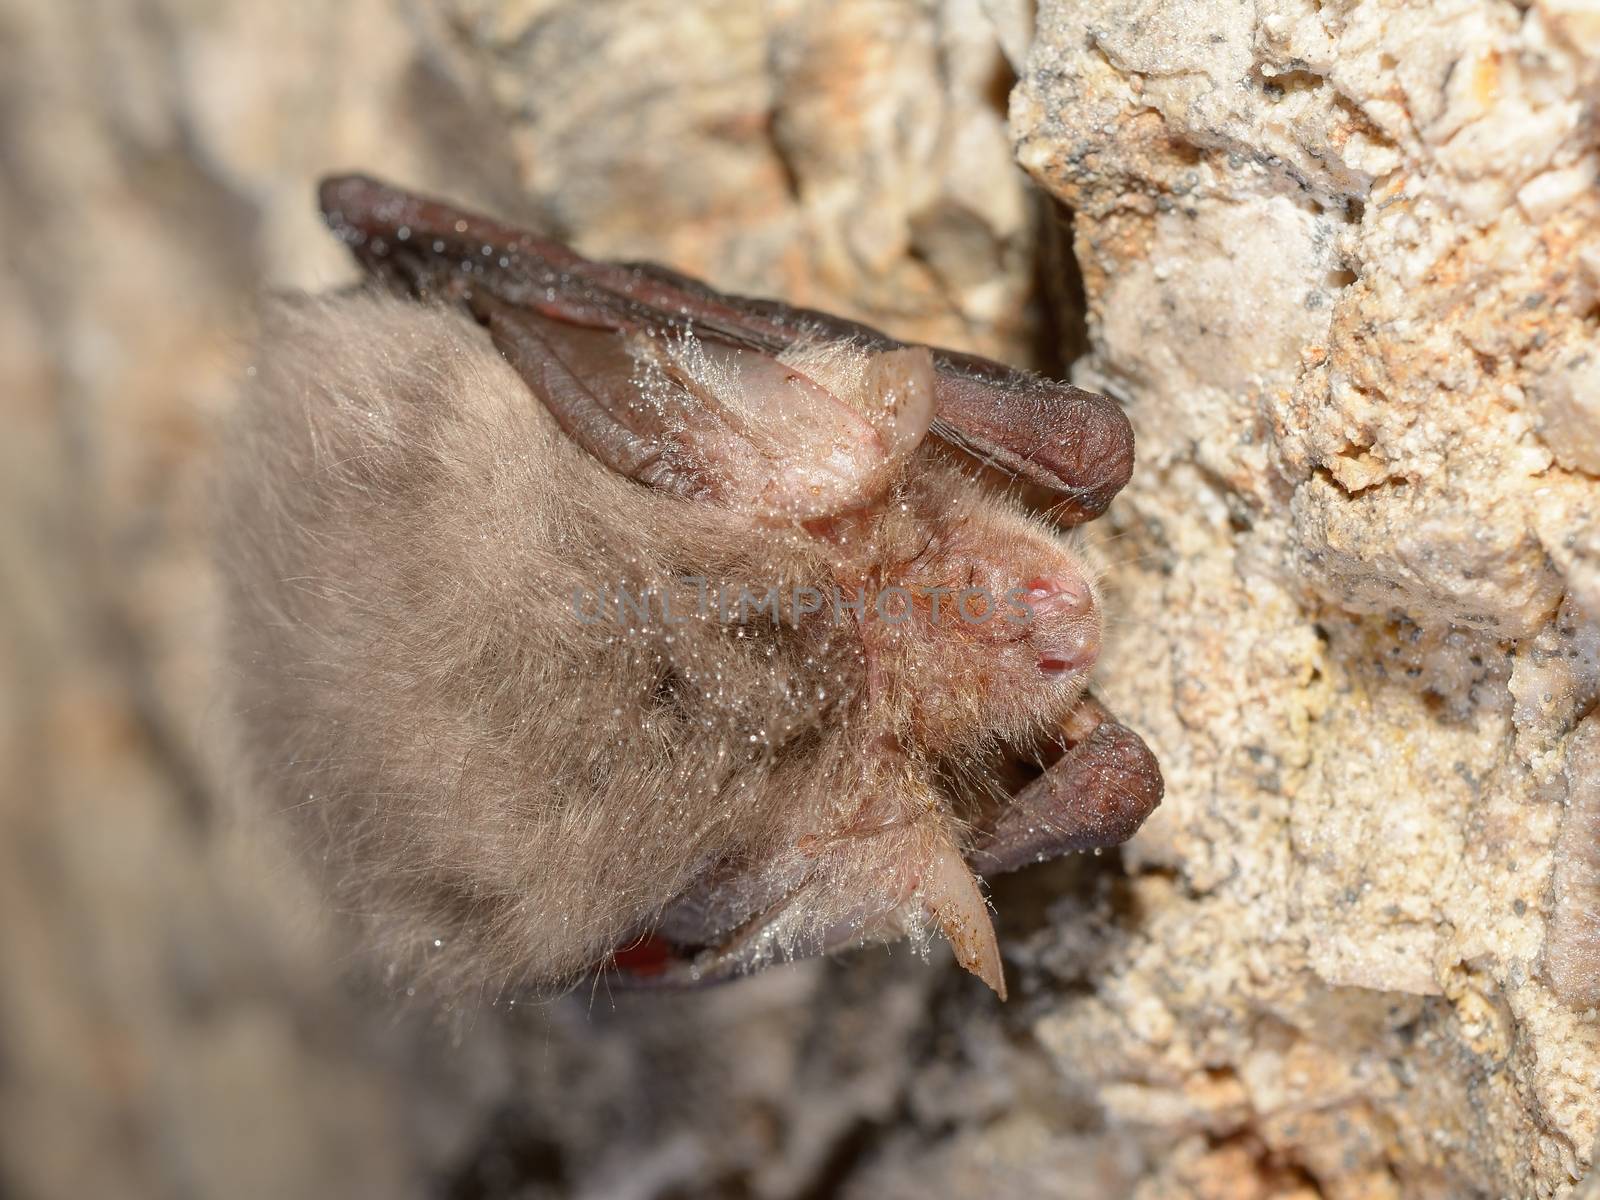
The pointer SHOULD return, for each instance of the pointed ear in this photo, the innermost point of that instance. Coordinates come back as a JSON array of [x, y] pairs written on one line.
[[899, 398], [1073, 442], [739, 920], [721, 424], [786, 446], [659, 383], [950, 894]]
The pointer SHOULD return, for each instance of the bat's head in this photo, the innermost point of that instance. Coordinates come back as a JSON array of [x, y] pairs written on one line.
[[984, 622], [976, 620]]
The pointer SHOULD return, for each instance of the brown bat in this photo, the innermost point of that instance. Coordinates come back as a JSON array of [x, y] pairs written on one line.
[[595, 620]]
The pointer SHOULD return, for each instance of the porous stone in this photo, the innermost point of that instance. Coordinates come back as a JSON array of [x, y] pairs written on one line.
[[1335, 260]]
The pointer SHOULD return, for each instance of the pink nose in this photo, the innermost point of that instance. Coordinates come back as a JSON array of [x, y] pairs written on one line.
[[1067, 636], [1055, 596]]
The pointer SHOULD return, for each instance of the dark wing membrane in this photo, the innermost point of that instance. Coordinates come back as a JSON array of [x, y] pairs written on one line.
[[721, 421], [1095, 795], [1076, 443]]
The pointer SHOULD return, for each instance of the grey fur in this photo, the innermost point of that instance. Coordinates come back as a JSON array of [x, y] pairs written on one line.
[[505, 794]]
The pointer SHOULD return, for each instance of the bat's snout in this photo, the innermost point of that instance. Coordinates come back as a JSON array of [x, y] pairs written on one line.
[[1067, 624]]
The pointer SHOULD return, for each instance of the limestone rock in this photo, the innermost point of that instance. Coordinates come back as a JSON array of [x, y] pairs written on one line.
[[1335, 263]]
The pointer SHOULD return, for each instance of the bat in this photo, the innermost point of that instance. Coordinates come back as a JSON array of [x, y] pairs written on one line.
[[590, 620]]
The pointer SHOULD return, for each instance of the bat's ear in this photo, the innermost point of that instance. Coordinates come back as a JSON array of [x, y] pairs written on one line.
[[740, 920], [785, 438], [531, 291], [951, 896]]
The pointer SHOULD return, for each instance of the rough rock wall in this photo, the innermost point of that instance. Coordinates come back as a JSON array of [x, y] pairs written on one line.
[[1342, 262]]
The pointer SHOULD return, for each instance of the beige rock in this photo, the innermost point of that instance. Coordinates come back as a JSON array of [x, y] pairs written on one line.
[[1567, 399], [1572, 939], [1363, 431]]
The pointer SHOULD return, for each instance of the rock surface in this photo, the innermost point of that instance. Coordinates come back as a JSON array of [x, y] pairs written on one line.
[[1342, 261], [1336, 259]]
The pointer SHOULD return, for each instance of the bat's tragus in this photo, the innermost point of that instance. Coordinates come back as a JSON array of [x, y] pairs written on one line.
[[420, 484]]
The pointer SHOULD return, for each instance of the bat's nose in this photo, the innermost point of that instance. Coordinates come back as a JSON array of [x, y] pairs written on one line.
[[1065, 630], [1058, 595]]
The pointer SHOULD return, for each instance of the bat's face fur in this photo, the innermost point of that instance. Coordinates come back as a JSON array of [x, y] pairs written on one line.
[[584, 643]]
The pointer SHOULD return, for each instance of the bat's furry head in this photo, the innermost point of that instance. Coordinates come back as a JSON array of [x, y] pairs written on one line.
[[530, 709]]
